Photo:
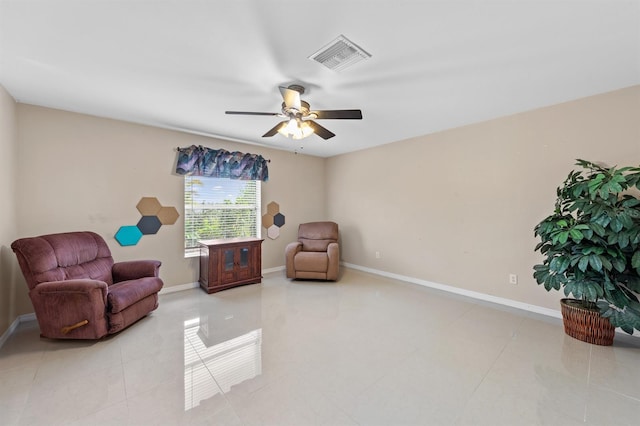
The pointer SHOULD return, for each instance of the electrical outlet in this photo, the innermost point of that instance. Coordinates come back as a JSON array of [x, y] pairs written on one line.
[[513, 279], [377, 255]]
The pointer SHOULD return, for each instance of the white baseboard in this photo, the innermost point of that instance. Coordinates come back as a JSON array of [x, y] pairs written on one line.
[[463, 292], [14, 325], [276, 269], [180, 287], [472, 294]]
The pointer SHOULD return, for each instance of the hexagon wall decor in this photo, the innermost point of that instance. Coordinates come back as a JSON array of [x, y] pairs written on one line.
[[154, 215], [278, 220], [149, 225], [148, 206], [273, 232], [273, 220], [273, 208], [168, 215], [267, 220], [128, 235]]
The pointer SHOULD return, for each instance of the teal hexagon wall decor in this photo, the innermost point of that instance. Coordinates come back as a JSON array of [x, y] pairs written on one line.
[[128, 235]]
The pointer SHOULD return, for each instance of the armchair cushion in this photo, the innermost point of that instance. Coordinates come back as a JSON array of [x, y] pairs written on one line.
[[311, 261], [126, 293]]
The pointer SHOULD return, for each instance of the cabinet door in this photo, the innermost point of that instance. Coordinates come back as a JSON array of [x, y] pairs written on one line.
[[228, 265], [243, 265]]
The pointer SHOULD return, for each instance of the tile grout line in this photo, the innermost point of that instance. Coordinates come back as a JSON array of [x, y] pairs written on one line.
[[586, 403], [486, 373]]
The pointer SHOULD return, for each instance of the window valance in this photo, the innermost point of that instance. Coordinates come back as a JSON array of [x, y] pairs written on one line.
[[219, 163]]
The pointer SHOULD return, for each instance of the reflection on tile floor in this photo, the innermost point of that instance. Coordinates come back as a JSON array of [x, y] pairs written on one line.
[[364, 351]]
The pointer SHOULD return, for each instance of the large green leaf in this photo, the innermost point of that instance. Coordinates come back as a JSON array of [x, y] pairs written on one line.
[[619, 264], [598, 229], [616, 225], [630, 202], [583, 263], [576, 235], [559, 264], [606, 263], [625, 219]]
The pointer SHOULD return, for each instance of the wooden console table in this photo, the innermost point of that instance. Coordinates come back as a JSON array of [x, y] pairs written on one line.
[[228, 263]]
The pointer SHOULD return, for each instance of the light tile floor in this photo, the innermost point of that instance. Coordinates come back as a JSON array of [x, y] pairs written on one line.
[[364, 351]]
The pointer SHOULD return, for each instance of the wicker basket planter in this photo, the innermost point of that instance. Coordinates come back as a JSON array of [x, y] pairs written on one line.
[[586, 324]]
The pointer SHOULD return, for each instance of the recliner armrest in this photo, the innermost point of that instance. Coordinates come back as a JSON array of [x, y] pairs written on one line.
[[71, 309], [333, 267], [134, 269], [289, 253], [70, 286]]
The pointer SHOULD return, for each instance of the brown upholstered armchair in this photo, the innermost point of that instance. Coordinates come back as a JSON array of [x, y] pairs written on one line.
[[77, 290], [316, 254]]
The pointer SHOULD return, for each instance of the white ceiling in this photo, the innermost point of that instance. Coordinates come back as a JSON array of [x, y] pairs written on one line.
[[435, 65]]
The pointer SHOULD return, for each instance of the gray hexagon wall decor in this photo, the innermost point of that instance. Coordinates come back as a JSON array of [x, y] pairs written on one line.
[[149, 225], [278, 220]]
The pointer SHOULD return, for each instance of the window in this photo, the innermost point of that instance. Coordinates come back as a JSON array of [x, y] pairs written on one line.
[[219, 208]]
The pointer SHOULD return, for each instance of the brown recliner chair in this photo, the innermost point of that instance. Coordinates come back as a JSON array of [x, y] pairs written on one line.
[[77, 290], [316, 254]]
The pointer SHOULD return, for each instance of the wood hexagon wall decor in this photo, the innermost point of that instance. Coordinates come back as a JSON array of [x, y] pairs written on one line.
[[267, 220], [273, 208], [168, 215], [148, 206]]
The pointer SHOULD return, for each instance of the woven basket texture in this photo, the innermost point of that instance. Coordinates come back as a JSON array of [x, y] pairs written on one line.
[[586, 325]]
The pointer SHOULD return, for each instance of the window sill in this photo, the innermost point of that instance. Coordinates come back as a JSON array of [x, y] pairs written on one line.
[[191, 253]]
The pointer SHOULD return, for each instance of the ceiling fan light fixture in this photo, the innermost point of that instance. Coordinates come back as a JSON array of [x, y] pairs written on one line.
[[340, 54], [296, 129]]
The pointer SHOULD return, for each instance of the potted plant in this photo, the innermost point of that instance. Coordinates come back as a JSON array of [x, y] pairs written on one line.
[[591, 248]]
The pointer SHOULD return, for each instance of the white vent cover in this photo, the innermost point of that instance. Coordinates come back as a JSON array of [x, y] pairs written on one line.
[[339, 54]]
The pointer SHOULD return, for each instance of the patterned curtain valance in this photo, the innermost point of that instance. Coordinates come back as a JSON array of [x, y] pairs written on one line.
[[203, 161]]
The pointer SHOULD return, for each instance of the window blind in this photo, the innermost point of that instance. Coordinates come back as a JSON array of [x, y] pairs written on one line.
[[220, 208]]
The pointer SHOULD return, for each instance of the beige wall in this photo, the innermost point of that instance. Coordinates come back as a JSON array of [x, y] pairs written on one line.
[[78, 172], [8, 157], [455, 208], [458, 207]]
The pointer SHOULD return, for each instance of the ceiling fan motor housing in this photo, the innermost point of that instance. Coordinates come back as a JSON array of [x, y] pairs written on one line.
[[297, 88], [303, 111]]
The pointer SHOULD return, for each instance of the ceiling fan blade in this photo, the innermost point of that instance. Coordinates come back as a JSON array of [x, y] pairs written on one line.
[[251, 113], [319, 130], [275, 129], [350, 114], [291, 98]]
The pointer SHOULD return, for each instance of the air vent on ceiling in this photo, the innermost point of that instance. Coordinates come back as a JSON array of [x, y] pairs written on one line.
[[339, 54]]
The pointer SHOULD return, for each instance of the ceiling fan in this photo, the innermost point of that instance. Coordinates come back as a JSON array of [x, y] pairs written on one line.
[[299, 116]]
